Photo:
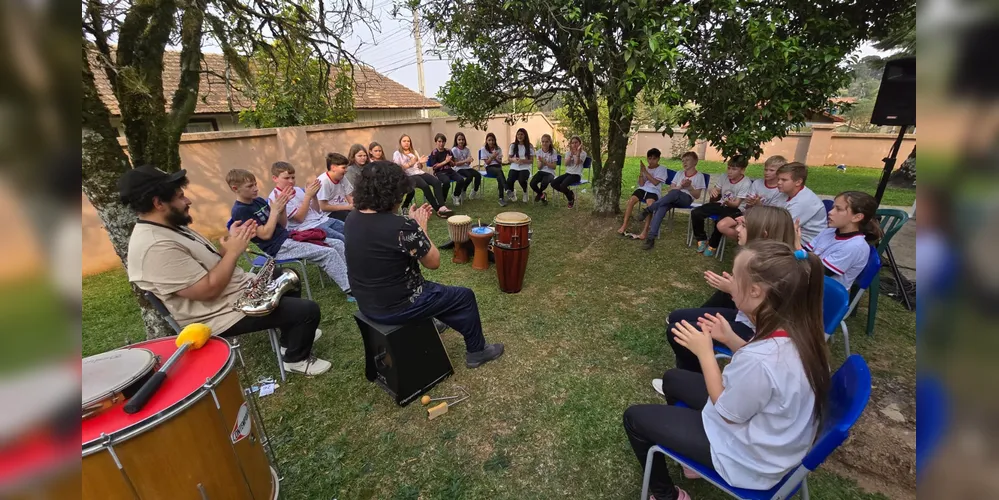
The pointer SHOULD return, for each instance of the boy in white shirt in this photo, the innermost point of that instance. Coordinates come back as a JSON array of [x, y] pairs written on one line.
[[650, 180], [728, 199], [807, 210], [335, 191], [764, 192], [685, 188], [303, 207]]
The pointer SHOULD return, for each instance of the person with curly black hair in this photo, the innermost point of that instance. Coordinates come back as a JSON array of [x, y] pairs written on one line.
[[384, 253]]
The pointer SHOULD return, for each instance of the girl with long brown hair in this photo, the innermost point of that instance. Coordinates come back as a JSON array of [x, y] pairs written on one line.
[[412, 164], [521, 161], [375, 152], [760, 223], [491, 156], [846, 244], [756, 421], [358, 157]]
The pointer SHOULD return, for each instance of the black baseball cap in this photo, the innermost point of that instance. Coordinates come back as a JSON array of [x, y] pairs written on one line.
[[140, 180]]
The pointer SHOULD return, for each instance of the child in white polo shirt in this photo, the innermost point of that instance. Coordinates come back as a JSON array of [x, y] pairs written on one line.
[[845, 245], [728, 199], [754, 422], [650, 187], [806, 208], [303, 207]]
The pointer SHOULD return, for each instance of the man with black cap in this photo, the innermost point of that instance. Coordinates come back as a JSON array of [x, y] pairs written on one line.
[[199, 283]]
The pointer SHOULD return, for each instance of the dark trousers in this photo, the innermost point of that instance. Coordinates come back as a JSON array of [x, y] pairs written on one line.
[[563, 184], [455, 306], [431, 187], [497, 171], [520, 176], [702, 212], [679, 429], [540, 182], [447, 176], [296, 318], [686, 360], [720, 299], [471, 175], [340, 215]]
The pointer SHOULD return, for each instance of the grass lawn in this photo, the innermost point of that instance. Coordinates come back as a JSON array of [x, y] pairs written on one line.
[[583, 338]]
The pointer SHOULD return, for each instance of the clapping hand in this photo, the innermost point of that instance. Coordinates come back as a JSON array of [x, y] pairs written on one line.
[[696, 341], [752, 200], [717, 327], [685, 183], [312, 189], [722, 283], [797, 234], [421, 214], [240, 234], [279, 203]]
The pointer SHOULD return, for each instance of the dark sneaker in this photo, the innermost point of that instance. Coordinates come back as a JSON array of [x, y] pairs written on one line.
[[477, 359], [502, 202], [544, 199], [643, 214], [572, 203], [649, 244]]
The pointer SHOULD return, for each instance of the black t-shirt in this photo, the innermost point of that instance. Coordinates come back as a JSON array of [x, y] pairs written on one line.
[[438, 156], [383, 252]]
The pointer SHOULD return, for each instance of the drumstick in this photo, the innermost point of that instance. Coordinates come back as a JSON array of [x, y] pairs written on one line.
[[193, 336]]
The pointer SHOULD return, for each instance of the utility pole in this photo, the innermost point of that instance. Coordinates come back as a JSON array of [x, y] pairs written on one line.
[[419, 57]]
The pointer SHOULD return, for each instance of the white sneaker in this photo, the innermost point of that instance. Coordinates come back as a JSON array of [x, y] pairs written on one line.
[[525, 197], [657, 384], [510, 195], [319, 334], [309, 366], [455, 200], [473, 195]]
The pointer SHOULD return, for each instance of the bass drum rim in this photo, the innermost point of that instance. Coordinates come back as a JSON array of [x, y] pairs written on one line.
[[150, 422]]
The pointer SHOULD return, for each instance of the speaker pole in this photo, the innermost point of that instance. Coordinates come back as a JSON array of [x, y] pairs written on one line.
[[890, 163]]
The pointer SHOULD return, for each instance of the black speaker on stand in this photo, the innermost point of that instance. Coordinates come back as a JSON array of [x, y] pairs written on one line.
[[404, 360], [896, 105]]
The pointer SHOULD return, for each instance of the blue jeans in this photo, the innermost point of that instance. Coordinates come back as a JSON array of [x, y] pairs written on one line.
[[670, 200], [333, 229], [455, 306]]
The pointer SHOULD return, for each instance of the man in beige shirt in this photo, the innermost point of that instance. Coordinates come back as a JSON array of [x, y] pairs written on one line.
[[199, 283]]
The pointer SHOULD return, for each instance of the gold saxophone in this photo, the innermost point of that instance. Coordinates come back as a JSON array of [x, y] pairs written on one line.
[[264, 291]]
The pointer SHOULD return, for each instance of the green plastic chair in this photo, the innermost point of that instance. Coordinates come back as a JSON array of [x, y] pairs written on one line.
[[891, 220]]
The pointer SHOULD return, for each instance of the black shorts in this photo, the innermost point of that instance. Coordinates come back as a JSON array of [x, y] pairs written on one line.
[[644, 195]]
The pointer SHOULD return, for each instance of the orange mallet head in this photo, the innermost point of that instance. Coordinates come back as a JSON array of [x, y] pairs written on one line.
[[196, 334]]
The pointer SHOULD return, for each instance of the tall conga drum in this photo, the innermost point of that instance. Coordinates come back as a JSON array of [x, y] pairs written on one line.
[[481, 235], [195, 438], [512, 248]]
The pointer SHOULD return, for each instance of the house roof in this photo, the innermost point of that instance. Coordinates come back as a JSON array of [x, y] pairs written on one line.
[[843, 100], [372, 90]]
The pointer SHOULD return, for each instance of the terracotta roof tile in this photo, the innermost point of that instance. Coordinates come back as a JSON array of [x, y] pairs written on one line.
[[372, 89]]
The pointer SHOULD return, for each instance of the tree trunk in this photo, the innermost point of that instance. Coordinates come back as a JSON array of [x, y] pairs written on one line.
[[607, 183], [103, 162]]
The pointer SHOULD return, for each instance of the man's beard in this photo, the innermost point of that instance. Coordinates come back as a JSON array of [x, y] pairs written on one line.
[[179, 217]]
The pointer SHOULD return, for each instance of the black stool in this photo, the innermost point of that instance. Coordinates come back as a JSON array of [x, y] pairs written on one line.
[[405, 360]]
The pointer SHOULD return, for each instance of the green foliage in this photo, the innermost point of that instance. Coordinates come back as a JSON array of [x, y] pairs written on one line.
[[572, 122], [757, 69], [293, 86], [864, 85]]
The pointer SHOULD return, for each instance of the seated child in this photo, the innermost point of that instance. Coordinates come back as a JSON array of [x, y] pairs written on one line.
[[271, 235], [335, 191], [441, 162], [763, 193], [754, 422], [547, 161], [650, 181], [806, 208], [685, 188], [728, 199], [303, 208], [844, 246], [575, 160], [763, 222], [462, 161]]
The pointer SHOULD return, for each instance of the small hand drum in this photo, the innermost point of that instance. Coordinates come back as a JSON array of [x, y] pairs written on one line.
[[457, 226], [481, 236]]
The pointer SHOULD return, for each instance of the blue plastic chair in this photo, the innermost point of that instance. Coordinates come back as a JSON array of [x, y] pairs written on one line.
[[863, 282], [835, 304], [487, 174], [589, 173], [932, 414], [828, 204], [849, 392]]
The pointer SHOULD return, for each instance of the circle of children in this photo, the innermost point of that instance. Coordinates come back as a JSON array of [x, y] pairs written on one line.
[[753, 422]]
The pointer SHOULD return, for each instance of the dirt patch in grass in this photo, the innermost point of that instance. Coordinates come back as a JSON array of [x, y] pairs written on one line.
[[881, 451]]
